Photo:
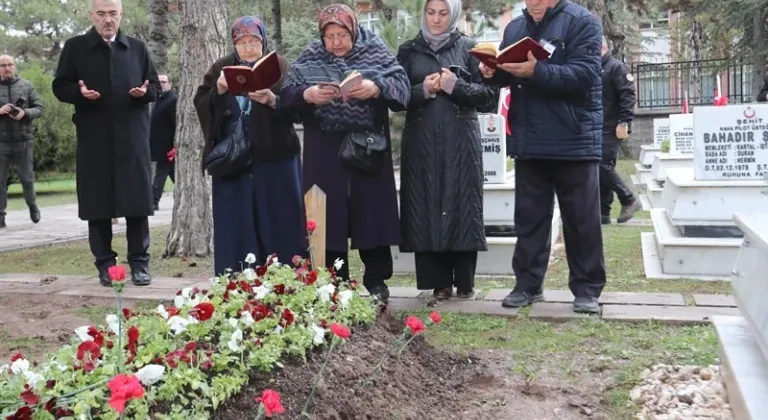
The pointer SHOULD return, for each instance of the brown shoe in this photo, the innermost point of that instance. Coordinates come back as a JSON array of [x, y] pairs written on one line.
[[442, 294], [628, 211]]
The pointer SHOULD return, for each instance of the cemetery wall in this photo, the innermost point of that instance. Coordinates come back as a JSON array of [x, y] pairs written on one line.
[[642, 130]]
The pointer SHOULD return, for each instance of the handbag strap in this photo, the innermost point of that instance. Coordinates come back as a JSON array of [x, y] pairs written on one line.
[[244, 103]]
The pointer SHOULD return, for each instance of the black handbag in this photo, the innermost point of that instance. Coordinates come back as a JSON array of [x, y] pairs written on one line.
[[232, 155], [360, 151]]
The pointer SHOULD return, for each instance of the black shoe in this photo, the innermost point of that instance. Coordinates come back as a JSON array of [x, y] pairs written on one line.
[[34, 214], [104, 279], [586, 305], [520, 299], [380, 292], [2, 221], [606, 220], [140, 275]]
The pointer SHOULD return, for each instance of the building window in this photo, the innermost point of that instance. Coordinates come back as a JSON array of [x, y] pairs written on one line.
[[661, 21], [370, 21], [485, 29]]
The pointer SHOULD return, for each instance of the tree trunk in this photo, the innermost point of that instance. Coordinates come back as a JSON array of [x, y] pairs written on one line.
[[158, 34], [696, 73], [277, 19], [204, 39], [759, 41]]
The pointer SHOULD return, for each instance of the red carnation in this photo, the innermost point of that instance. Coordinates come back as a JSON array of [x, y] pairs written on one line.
[[340, 331], [311, 225], [202, 311], [435, 317], [271, 401], [116, 272], [124, 388], [415, 324]]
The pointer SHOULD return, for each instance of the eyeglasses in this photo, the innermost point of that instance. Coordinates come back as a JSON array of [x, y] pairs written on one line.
[[252, 44], [340, 37]]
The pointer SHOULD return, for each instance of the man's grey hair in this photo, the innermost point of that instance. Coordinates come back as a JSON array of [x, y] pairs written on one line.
[[90, 4]]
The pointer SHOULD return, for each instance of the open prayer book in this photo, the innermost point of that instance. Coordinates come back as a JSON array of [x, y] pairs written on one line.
[[263, 75], [342, 88], [515, 53]]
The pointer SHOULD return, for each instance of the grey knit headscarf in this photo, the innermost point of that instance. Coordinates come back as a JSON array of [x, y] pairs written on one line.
[[437, 41]]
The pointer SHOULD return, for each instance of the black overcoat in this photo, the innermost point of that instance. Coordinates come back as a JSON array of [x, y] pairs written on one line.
[[113, 160], [441, 179]]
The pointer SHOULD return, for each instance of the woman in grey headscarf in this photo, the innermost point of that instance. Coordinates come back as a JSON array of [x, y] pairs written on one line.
[[441, 190]]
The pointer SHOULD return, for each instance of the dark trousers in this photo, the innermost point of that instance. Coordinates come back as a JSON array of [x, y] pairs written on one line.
[[442, 270], [378, 265], [610, 180], [577, 187], [163, 170], [137, 234], [20, 154]]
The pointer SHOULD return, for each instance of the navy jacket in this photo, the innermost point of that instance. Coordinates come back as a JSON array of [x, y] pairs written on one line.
[[558, 112]]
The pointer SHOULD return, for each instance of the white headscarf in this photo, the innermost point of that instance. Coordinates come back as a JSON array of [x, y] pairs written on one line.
[[437, 41]]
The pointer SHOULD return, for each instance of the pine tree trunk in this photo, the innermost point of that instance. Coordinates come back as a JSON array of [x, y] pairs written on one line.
[[158, 34], [204, 39], [277, 18]]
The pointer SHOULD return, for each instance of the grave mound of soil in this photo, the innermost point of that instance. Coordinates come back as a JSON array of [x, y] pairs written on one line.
[[423, 383]]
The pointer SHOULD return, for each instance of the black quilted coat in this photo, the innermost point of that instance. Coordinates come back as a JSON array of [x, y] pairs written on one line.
[[441, 190]]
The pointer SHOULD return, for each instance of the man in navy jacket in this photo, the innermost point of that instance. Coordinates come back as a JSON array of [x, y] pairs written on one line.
[[556, 121]]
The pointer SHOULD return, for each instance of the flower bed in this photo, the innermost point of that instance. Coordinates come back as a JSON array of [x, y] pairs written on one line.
[[185, 360]]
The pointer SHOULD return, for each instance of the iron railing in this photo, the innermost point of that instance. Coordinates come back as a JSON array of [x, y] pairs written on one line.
[[663, 85]]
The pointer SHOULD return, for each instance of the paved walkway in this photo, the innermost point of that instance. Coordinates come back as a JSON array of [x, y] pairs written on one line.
[[619, 306], [60, 224]]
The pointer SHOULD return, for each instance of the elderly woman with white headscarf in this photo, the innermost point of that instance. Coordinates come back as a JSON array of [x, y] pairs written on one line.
[[441, 190]]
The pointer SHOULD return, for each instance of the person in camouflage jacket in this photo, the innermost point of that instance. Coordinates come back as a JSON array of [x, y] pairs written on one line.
[[19, 105]]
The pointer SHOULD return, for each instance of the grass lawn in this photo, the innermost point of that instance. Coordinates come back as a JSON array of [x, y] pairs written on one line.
[[599, 357], [52, 190]]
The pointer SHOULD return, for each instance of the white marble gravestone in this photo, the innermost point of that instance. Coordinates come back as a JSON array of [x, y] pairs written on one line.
[[494, 143], [731, 142], [660, 131], [681, 134], [744, 341]]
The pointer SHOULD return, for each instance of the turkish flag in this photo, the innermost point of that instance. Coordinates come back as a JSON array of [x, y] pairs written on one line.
[[506, 102]]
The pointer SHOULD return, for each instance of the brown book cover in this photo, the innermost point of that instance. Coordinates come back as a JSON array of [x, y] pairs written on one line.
[[263, 75], [342, 88], [515, 53]]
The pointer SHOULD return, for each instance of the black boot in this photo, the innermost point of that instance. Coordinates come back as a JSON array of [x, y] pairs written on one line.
[[140, 275], [2, 221], [34, 213]]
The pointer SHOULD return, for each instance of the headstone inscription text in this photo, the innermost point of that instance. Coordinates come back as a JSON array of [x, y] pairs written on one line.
[[494, 144], [660, 131], [680, 134], [731, 142]]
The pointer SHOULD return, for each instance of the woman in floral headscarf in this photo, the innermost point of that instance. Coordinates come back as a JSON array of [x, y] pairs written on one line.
[[261, 210], [360, 207]]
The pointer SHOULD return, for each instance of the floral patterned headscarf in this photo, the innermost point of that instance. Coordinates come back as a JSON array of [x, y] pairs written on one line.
[[250, 26], [342, 15]]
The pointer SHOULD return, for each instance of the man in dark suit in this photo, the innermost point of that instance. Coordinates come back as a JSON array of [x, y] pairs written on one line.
[[110, 79], [618, 113], [763, 95], [161, 134]]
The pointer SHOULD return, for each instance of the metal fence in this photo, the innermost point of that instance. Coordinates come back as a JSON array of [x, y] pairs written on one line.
[[663, 85]]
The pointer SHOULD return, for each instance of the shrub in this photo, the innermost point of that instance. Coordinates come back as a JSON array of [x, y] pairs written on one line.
[[55, 140]]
